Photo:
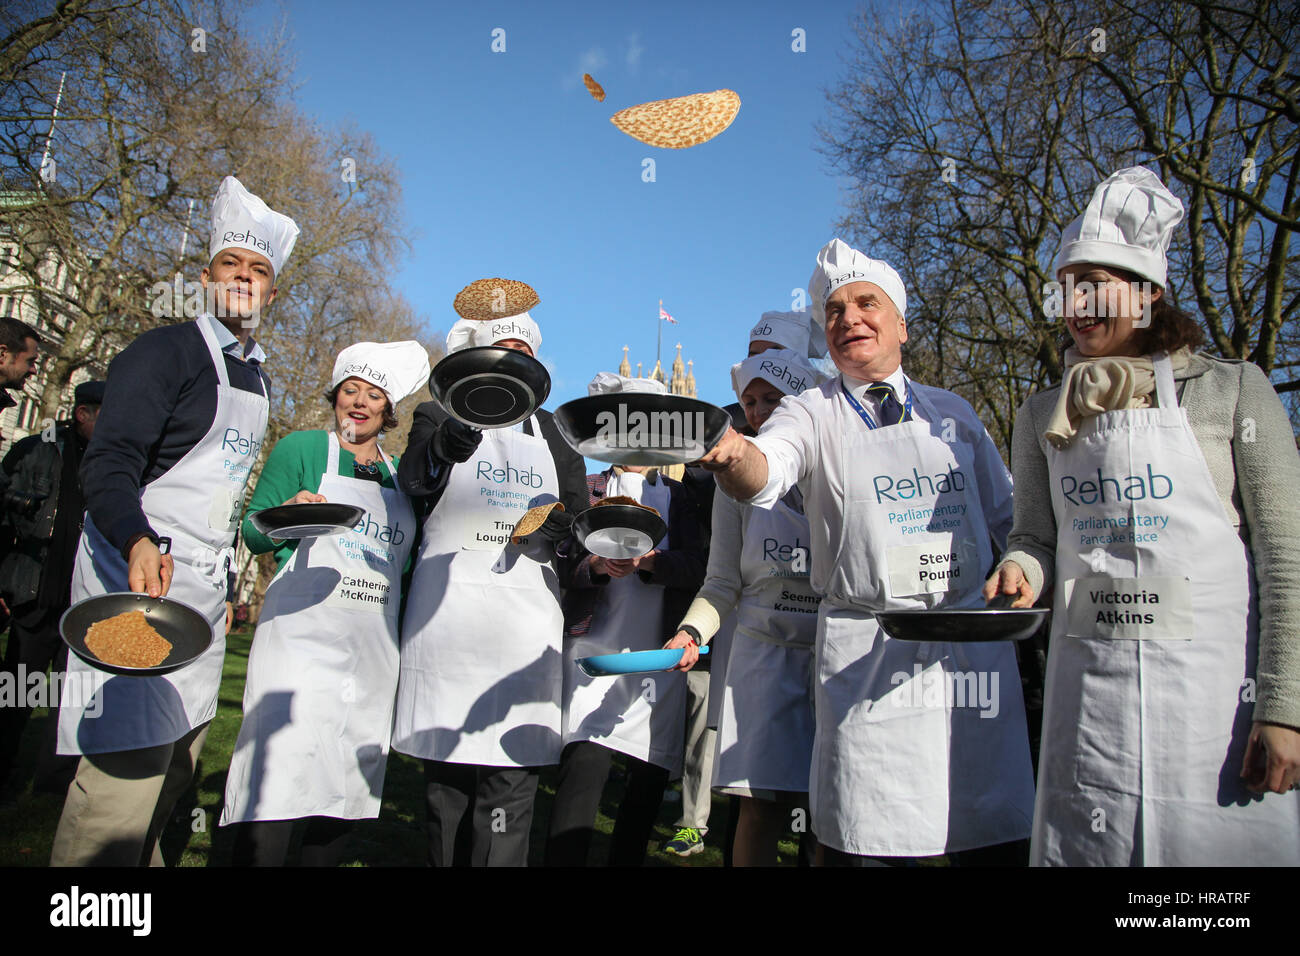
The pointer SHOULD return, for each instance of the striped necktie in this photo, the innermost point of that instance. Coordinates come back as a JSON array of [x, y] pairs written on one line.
[[891, 413]]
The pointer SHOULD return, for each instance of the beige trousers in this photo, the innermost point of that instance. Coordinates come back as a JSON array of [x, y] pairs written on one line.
[[701, 741], [119, 803]]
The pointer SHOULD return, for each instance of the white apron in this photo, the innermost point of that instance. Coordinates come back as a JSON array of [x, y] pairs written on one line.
[[642, 715], [1144, 723], [197, 504], [766, 726], [322, 674], [480, 664], [921, 748]]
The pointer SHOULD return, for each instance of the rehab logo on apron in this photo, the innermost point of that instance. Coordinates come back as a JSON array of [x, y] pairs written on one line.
[[931, 548]]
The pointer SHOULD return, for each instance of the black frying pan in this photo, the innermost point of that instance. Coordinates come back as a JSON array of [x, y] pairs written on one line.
[[490, 386], [619, 531], [188, 630], [641, 428], [306, 520], [963, 625]]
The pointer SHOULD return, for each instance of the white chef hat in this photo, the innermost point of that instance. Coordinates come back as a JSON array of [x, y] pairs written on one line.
[[468, 333], [243, 221], [399, 368], [795, 331], [607, 383], [1128, 223], [786, 369], [838, 264]]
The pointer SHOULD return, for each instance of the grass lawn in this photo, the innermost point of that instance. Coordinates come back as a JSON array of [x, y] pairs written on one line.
[[396, 838]]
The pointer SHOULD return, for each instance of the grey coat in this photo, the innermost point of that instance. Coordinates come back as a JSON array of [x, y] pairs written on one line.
[[1246, 438]]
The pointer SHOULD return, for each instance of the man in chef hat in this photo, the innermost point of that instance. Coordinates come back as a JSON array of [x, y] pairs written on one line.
[[248, 247], [478, 697], [184, 413], [905, 494]]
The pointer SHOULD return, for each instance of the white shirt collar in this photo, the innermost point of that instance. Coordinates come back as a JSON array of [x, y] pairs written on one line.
[[858, 388], [226, 341]]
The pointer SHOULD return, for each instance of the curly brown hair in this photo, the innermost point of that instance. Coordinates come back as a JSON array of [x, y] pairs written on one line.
[[390, 413]]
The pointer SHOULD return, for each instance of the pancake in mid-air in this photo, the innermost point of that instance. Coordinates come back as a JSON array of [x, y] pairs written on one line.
[[594, 88], [680, 122], [484, 300]]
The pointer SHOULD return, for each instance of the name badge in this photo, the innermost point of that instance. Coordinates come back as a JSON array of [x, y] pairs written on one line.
[[946, 565], [223, 512], [1129, 609], [362, 591]]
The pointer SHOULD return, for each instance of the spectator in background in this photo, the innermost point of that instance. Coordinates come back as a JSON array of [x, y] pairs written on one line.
[[19, 348], [20, 345], [43, 508]]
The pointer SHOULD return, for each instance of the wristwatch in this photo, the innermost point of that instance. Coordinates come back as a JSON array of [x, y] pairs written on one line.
[[695, 634]]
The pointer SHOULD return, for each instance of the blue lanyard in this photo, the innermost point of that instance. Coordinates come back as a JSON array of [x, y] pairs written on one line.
[[862, 412]]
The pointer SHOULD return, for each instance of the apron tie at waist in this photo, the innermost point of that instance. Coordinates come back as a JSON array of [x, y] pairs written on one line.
[[213, 563]]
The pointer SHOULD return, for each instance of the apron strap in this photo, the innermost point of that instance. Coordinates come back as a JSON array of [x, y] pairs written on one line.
[[332, 459], [218, 356], [1166, 393]]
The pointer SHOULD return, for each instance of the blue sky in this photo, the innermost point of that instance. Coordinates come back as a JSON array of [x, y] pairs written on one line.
[[510, 168]]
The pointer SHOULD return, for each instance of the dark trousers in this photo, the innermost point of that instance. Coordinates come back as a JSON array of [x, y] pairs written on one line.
[[478, 816], [266, 842], [34, 644], [1015, 853], [584, 769]]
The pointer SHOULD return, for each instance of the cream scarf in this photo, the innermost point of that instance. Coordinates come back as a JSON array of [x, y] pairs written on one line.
[[1106, 384]]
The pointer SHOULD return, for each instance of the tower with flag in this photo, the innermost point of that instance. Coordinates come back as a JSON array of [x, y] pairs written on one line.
[[659, 339]]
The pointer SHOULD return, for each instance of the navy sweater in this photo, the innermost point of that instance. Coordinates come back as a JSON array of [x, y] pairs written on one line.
[[160, 401]]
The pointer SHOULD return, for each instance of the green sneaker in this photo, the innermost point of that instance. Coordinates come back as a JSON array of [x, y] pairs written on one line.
[[687, 841]]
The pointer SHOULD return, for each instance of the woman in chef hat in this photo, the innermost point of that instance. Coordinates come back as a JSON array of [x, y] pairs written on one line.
[[758, 566], [1156, 486], [322, 675]]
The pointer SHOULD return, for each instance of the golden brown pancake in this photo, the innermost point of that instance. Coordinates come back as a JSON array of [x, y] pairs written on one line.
[[127, 640]]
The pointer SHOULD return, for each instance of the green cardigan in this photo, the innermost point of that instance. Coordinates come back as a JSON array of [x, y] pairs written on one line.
[[295, 464]]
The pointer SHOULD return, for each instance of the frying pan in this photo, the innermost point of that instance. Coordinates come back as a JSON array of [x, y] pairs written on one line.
[[965, 625], [632, 662], [188, 631], [641, 428], [310, 520], [490, 386], [619, 531]]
